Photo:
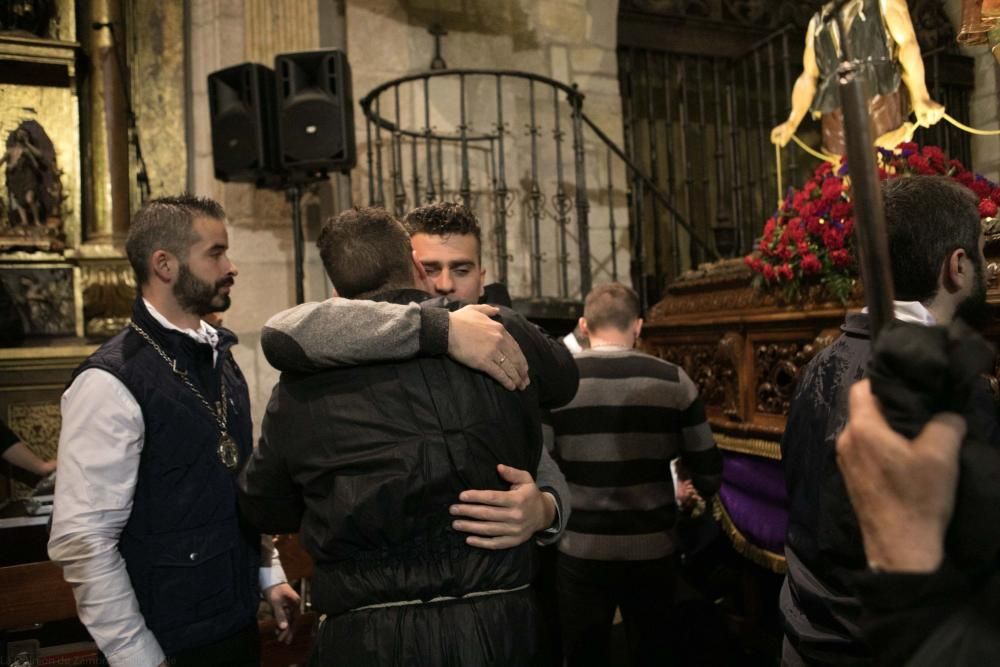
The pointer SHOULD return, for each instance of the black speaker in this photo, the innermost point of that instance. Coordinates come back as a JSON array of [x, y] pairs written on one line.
[[315, 112], [244, 141]]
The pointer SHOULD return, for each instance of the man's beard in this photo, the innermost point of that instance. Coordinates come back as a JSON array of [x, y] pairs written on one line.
[[199, 297], [974, 311]]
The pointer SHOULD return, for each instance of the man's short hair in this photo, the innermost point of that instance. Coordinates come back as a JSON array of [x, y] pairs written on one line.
[[928, 218], [443, 219], [364, 250], [612, 305], [166, 223]]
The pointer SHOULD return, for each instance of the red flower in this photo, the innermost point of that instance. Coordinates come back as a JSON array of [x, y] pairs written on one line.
[[933, 152], [769, 227], [966, 178], [909, 146], [982, 188], [833, 238], [814, 226], [841, 210], [795, 230], [768, 272], [987, 208], [996, 195], [921, 164], [810, 264], [832, 189], [784, 272], [840, 258]]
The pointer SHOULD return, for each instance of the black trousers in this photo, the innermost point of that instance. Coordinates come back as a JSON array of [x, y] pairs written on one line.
[[589, 592]]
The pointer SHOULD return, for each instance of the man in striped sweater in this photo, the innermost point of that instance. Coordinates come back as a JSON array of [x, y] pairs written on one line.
[[614, 441]]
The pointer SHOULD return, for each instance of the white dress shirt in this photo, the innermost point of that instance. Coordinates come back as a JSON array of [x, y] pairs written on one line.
[[910, 311], [99, 449]]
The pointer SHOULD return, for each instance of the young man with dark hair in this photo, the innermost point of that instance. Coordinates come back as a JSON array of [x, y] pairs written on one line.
[[155, 425], [935, 245], [447, 242], [614, 441], [368, 460]]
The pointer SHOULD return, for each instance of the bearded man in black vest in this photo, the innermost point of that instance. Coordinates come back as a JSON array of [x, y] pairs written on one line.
[[156, 424]]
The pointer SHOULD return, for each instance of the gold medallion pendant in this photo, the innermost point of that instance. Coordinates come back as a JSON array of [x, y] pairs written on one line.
[[228, 452]]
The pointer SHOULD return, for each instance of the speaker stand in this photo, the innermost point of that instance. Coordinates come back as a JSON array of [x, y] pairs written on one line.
[[293, 195]]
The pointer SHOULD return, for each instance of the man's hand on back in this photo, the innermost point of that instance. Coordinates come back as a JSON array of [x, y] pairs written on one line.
[[504, 519], [478, 342]]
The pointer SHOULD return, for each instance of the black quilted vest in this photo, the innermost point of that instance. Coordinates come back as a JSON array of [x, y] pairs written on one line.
[[192, 564]]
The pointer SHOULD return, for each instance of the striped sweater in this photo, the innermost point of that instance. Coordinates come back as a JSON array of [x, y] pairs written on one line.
[[632, 415]]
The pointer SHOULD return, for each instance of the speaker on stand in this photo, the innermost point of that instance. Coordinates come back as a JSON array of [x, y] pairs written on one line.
[[244, 135], [315, 112], [284, 128]]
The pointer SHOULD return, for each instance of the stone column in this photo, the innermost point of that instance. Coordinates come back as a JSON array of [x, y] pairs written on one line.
[[106, 156]]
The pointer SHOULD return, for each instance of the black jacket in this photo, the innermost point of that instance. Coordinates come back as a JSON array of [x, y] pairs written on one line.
[[368, 459], [821, 611]]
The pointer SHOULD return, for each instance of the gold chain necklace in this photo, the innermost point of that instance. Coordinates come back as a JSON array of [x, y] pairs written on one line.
[[227, 451]]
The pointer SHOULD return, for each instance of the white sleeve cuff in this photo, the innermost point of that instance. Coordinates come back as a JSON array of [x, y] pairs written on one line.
[[145, 650], [272, 576]]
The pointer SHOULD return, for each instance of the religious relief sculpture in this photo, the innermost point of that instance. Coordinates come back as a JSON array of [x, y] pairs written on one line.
[[42, 298], [881, 34], [32, 211]]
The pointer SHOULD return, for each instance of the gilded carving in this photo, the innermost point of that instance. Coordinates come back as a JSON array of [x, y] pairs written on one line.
[[777, 366], [711, 367], [43, 298], [108, 292]]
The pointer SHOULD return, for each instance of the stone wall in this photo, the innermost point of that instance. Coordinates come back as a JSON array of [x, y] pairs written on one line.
[[570, 41]]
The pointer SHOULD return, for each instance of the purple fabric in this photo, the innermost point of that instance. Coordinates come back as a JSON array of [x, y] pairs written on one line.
[[753, 493]]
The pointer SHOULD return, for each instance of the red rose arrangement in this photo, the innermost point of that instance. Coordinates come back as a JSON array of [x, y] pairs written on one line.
[[809, 240]]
